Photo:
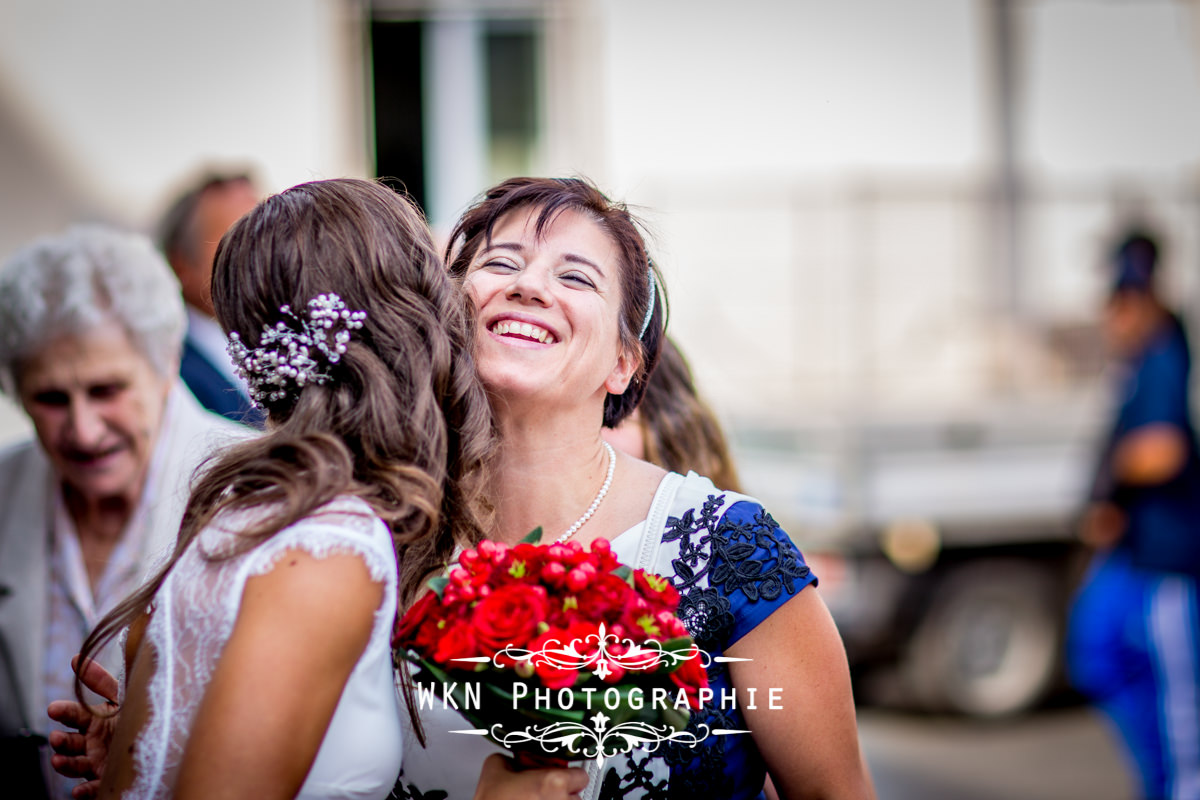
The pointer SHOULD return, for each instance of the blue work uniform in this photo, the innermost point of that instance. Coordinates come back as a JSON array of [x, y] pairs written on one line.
[[1133, 643]]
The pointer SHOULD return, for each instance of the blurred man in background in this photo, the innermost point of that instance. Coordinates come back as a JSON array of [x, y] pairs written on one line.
[[188, 235], [1134, 643]]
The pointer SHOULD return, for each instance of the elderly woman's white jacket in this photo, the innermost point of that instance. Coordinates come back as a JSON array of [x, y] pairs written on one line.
[[27, 486]]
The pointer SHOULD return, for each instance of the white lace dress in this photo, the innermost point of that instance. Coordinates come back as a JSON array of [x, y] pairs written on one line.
[[193, 619]]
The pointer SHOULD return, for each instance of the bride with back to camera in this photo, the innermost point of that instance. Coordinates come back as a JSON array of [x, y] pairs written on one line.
[[569, 324], [258, 659]]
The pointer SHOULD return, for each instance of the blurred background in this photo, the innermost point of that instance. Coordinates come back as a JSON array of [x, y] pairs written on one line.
[[883, 224]]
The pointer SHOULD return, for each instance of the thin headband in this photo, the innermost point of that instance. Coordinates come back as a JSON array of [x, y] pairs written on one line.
[[653, 298]]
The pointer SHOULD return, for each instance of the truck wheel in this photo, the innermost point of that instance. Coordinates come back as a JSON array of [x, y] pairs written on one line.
[[989, 642]]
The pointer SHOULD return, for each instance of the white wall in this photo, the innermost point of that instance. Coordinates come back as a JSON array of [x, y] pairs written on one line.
[[1112, 92], [1112, 87], [127, 95], [703, 87]]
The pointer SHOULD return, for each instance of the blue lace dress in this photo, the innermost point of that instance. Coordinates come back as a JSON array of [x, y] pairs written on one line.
[[733, 567]]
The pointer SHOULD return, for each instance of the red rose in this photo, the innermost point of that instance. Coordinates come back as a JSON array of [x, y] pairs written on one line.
[[457, 641], [674, 628], [509, 615], [405, 633], [604, 600], [639, 619], [583, 636], [657, 589], [691, 677], [551, 675]]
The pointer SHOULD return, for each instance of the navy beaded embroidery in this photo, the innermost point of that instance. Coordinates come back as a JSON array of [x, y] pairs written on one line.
[[731, 554], [747, 555]]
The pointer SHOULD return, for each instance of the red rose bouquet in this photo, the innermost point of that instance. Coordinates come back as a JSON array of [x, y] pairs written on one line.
[[556, 649]]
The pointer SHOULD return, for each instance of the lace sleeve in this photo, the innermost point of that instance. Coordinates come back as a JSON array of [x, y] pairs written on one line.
[[734, 567], [755, 565], [336, 532]]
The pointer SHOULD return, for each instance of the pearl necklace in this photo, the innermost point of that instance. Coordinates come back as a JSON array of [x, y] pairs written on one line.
[[612, 463]]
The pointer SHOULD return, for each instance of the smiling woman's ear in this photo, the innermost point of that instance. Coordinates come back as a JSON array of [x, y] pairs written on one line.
[[628, 364]]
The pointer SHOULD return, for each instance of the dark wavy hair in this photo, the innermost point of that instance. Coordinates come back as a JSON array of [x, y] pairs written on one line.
[[552, 196], [402, 423], [679, 431]]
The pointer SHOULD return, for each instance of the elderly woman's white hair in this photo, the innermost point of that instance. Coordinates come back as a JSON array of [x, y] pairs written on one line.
[[74, 281]]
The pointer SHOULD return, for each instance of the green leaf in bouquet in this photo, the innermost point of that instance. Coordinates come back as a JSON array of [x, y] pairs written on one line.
[[438, 585], [675, 718], [680, 645], [426, 666], [533, 537], [624, 573], [499, 709]]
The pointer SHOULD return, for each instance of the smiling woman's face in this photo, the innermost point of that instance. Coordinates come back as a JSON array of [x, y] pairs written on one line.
[[547, 308], [96, 404]]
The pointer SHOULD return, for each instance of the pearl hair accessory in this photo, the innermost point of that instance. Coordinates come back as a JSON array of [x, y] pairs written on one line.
[[612, 463], [286, 358]]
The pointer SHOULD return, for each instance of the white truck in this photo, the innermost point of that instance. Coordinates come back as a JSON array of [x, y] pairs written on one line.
[[945, 549]]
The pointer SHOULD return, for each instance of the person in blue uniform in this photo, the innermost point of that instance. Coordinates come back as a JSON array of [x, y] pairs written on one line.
[[1134, 638]]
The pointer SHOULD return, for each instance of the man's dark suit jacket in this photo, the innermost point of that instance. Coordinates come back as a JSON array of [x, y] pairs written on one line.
[[214, 391]]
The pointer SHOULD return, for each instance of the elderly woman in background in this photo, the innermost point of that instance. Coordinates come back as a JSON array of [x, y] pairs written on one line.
[[91, 325]]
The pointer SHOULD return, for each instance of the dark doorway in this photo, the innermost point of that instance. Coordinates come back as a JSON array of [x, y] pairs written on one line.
[[397, 78]]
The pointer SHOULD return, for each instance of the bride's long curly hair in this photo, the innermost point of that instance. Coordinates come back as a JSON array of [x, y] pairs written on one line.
[[402, 422]]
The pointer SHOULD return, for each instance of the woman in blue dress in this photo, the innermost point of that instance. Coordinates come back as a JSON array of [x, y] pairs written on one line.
[[570, 323]]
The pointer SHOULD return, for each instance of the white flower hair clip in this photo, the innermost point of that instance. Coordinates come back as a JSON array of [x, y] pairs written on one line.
[[286, 358]]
